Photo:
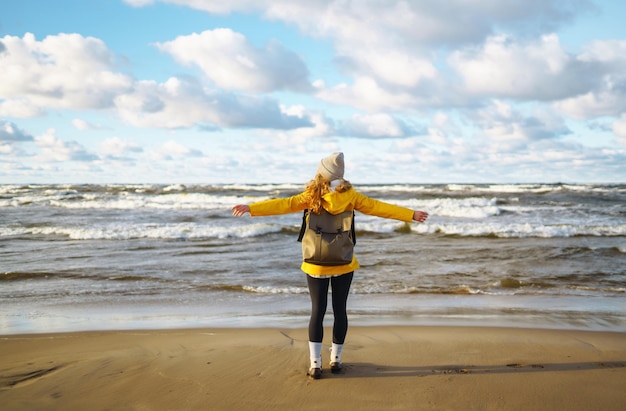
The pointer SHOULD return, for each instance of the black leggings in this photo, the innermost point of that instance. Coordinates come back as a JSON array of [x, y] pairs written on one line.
[[318, 290]]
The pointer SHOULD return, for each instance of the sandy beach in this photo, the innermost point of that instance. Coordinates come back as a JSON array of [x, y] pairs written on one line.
[[391, 368]]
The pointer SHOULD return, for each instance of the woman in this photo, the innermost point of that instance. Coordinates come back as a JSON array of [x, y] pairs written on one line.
[[331, 192]]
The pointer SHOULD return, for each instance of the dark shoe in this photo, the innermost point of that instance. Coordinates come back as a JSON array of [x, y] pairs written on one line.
[[315, 373], [336, 367]]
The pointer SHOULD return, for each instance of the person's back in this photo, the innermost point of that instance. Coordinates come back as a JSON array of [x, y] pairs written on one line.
[[327, 246]]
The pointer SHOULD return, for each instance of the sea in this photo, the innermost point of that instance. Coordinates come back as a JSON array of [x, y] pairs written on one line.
[[149, 256]]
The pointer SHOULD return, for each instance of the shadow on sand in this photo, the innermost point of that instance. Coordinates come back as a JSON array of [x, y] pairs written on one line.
[[368, 370]]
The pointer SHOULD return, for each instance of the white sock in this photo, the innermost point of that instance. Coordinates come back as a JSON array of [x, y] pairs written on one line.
[[335, 352], [315, 352]]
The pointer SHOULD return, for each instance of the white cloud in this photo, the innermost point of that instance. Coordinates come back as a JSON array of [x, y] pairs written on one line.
[[20, 108], [368, 95], [389, 57], [608, 96], [321, 126], [171, 150], [217, 7], [510, 129], [10, 133], [539, 70], [53, 149], [83, 125], [417, 22], [61, 71], [233, 63], [12, 139], [381, 125], [398, 75], [175, 148], [605, 51], [391, 49], [388, 50], [608, 102], [80, 124], [117, 147], [391, 65], [6, 149], [390, 42], [139, 3], [455, 90], [179, 103], [481, 160], [619, 128]]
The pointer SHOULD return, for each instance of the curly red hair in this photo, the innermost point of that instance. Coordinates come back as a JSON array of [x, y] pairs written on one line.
[[319, 186]]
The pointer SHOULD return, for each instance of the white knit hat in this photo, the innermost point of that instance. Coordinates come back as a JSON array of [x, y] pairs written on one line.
[[332, 167]]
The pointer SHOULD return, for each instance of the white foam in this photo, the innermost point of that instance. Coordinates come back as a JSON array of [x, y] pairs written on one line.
[[154, 231], [275, 290], [521, 188], [521, 230], [378, 225], [174, 187], [122, 231], [460, 187], [480, 214], [262, 187], [130, 201], [471, 207], [400, 188]]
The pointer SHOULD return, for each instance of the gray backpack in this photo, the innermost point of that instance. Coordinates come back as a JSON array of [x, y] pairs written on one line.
[[327, 239]]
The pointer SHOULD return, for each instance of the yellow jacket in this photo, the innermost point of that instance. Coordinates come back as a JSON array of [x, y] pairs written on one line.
[[334, 203]]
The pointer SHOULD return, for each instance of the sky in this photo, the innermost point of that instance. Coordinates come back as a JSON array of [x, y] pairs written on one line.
[[258, 91]]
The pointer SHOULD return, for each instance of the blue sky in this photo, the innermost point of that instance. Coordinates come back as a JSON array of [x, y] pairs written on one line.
[[255, 91]]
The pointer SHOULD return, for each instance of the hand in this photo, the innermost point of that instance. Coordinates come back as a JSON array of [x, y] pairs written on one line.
[[240, 209], [420, 216]]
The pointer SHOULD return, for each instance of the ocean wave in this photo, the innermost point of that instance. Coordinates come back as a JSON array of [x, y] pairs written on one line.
[[275, 290], [524, 230], [198, 212], [262, 187], [128, 201], [478, 202], [473, 207], [54, 189], [195, 231], [189, 201], [182, 231], [469, 207], [20, 276], [534, 188], [462, 289]]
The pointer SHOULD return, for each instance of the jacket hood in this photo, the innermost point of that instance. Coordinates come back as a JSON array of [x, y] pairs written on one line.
[[335, 202]]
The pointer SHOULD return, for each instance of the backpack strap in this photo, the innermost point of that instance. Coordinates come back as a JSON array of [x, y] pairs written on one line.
[[353, 230], [303, 227]]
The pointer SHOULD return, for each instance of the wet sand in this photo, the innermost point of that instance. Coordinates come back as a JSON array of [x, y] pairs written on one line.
[[390, 368]]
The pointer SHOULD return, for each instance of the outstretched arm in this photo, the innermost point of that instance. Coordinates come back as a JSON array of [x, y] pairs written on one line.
[[370, 206], [420, 216], [240, 209], [273, 206]]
